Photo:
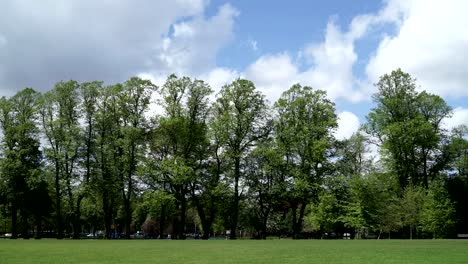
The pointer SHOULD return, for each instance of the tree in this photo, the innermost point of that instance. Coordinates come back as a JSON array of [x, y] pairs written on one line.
[[438, 210], [373, 204], [151, 205], [240, 120], [180, 145], [304, 127], [21, 163], [132, 101], [408, 126], [60, 124], [107, 157], [353, 156], [412, 204], [264, 181]]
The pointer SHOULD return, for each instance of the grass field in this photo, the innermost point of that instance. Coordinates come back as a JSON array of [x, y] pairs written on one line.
[[242, 251]]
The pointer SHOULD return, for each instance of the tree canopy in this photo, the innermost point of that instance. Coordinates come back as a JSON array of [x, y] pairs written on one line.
[[122, 160]]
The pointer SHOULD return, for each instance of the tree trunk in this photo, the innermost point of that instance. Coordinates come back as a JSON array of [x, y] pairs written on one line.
[[235, 203], [162, 222], [301, 218], [58, 211], [411, 232], [107, 213], [294, 221], [24, 225], [128, 216], [183, 212], [38, 234], [264, 228], [76, 218], [14, 222]]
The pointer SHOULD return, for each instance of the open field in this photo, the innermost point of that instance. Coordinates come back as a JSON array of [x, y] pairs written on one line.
[[270, 251]]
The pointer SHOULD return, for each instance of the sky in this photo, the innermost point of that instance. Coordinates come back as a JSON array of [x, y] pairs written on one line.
[[341, 47]]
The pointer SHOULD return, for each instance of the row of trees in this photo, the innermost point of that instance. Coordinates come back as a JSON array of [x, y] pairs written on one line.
[[85, 156]]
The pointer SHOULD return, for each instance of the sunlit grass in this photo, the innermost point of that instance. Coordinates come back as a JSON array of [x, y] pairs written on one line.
[[245, 251]]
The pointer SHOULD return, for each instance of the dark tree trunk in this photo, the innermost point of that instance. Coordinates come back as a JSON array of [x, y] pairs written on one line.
[[235, 202], [264, 228], [38, 234], [294, 221], [24, 225], [58, 200], [128, 216], [183, 213], [107, 214], [76, 218], [162, 222], [206, 222], [297, 220], [14, 222], [301, 217]]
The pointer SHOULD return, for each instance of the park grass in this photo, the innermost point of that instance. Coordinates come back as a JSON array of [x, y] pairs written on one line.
[[240, 251]]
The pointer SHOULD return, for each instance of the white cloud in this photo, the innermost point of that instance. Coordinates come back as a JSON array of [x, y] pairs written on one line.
[[459, 117], [106, 40], [194, 44], [329, 67], [431, 43], [348, 124], [219, 77], [271, 69]]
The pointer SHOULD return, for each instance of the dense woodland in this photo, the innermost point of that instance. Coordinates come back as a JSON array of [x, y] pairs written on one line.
[[84, 157]]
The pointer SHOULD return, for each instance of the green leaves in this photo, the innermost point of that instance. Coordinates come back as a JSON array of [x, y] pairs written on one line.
[[408, 125], [438, 211]]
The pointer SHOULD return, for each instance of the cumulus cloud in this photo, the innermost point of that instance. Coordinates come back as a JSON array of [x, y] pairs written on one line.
[[193, 45], [348, 124], [329, 67], [273, 74], [459, 117], [431, 43], [218, 77], [48, 41]]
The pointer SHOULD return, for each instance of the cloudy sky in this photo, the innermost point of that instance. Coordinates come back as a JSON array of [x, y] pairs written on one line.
[[338, 46]]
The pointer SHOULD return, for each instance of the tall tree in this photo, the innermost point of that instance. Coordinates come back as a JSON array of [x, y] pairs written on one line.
[[408, 126], [60, 123], [133, 103], [304, 127], [240, 120], [180, 142], [21, 158], [106, 155], [265, 183]]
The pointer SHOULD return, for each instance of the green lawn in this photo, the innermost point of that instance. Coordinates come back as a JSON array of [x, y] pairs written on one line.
[[242, 251]]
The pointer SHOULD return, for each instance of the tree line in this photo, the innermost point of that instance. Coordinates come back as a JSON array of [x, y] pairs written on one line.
[[87, 156]]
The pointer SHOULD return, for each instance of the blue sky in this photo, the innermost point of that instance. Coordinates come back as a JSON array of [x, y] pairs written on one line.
[[341, 47], [279, 26]]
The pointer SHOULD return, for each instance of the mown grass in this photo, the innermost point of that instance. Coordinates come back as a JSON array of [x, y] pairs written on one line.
[[197, 251]]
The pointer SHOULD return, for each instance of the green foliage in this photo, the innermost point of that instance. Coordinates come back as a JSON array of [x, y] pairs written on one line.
[[408, 125], [412, 204], [303, 130], [240, 120], [438, 210], [109, 163], [21, 163], [373, 204]]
